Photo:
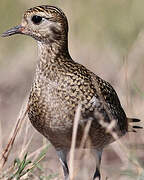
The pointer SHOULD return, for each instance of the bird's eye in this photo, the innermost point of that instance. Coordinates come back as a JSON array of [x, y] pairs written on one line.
[[36, 19]]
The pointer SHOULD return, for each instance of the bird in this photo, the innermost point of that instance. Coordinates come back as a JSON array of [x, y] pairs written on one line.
[[61, 84]]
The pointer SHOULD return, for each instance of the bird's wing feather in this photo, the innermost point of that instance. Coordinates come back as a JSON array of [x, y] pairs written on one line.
[[111, 105]]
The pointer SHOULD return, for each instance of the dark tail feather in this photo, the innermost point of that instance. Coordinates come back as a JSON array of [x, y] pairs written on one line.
[[132, 126], [137, 127], [133, 120]]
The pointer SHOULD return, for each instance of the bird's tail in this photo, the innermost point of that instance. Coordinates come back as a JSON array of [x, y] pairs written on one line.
[[132, 124]]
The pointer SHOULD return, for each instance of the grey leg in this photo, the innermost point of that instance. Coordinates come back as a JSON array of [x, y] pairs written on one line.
[[98, 154], [62, 154]]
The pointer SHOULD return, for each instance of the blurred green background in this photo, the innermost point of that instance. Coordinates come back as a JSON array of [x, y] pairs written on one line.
[[105, 36], [96, 21]]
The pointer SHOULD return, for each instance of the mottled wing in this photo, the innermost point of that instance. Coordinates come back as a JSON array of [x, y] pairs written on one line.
[[110, 103]]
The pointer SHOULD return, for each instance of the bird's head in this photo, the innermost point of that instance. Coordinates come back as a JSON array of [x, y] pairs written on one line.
[[45, 23]]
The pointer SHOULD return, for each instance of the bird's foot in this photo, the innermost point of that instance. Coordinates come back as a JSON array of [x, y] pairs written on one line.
[[97, 175]]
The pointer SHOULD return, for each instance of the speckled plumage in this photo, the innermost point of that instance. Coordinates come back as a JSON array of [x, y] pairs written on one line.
[[60, 84], [57, 90]]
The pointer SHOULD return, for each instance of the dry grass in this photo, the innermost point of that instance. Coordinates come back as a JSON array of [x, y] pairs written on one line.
[[73, 143], [14, 171], [99, 39], [4, 155], [25, 167]]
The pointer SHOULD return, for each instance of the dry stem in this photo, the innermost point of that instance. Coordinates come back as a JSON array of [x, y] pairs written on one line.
[[73, 143], [7, 150]]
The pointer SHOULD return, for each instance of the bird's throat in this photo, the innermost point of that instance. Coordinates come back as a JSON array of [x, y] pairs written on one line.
[[50, 56]]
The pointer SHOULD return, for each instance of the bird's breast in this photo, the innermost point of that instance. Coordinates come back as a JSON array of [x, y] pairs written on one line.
[[53, 103]]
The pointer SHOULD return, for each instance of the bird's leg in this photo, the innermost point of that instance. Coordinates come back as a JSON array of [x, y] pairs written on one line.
[[62, 154], [98, 154]]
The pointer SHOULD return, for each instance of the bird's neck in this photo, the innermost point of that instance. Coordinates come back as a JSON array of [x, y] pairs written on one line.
[[48, 53], [50, 56]]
